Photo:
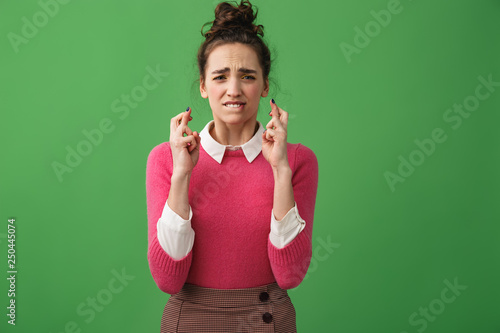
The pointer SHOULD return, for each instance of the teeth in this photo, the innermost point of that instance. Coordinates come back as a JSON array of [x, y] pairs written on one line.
[[234, 105]]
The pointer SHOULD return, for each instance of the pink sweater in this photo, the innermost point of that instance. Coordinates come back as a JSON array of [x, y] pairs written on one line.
[[232, 204]]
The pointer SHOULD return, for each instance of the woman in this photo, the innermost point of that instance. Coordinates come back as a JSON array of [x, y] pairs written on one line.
[[230, 209]]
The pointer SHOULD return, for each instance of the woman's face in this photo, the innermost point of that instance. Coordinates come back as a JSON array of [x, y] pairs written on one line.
[[233, 74]]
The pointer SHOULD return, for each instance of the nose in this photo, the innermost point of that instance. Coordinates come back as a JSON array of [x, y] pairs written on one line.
[[233, 88]]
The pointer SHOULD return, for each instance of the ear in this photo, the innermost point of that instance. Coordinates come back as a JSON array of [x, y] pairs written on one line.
[[265, 92], [203, 90]]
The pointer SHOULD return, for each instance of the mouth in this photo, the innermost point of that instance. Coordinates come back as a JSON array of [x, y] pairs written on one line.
[[234, 105]]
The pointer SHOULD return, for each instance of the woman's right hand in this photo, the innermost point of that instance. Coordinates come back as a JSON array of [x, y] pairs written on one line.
[[185, 149]]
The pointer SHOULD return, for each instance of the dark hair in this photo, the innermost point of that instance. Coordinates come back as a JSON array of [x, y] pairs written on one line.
[[234, 24]]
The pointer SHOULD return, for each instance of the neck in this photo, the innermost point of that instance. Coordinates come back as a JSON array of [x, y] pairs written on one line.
[[233, 134]]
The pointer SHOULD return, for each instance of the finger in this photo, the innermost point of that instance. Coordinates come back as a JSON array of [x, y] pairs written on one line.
[[184, 129], [177, 120], [180, 121], [185, 116], [274, 109], [195, 143], [275, 123], [279, 114], [264, 138], [270, 134], [174, 122], [271, 124], [197, 137], [274, 118], [189, 142]]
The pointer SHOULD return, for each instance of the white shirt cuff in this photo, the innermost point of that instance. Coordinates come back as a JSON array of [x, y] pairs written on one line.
[[175, 234], [285, 230]]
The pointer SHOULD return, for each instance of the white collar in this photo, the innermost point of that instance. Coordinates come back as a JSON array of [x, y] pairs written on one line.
[[251, 148]]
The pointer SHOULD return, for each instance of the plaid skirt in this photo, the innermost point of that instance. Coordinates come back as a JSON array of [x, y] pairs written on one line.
[[193, 309]]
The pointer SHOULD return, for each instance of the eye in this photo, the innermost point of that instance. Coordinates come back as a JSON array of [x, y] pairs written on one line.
[[219, 77], [249, 76]]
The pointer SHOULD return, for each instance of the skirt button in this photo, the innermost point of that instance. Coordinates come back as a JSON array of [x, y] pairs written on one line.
[[267, 317], [264, 296]]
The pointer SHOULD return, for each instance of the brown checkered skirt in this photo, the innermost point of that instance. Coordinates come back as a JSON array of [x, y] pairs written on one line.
[[266, 308]]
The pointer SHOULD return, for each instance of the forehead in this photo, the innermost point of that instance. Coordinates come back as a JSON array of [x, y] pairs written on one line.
[[233, 56]]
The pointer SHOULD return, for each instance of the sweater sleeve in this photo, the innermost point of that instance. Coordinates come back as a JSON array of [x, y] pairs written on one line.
[[168, 273], [290, 263]]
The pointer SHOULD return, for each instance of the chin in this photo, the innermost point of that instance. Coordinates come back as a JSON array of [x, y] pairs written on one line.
[[236, 118]]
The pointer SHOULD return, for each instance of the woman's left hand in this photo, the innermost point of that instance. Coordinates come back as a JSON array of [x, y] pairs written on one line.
[[274, 139]]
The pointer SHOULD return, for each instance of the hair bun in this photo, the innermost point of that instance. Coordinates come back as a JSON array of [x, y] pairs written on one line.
[[229, 18]]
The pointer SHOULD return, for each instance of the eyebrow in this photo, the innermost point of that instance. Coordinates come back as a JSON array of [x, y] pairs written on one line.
[[241, 70]]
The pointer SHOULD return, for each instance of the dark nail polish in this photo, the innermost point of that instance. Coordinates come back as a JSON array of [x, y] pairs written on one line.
[[272, 100], [187, 109]]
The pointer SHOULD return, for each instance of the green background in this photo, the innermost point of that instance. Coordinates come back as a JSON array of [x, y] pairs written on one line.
[[393, 249]]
